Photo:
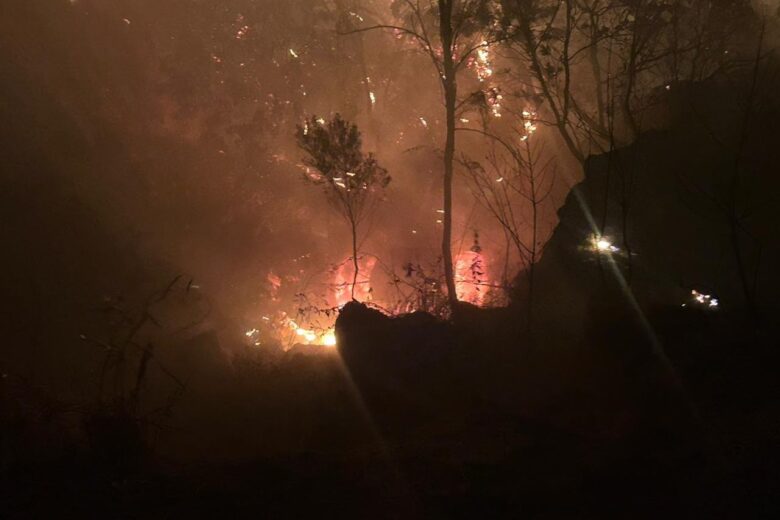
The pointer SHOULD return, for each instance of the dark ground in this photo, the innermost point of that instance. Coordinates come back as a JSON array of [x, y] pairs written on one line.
[[438, 432]]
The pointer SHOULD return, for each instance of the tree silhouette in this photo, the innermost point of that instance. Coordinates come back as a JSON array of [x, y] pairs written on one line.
[[513, 182], [352, 179], [448, 32]]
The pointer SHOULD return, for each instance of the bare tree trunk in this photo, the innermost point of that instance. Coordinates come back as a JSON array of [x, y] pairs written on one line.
[[595, 65], [354, 256], [631, 69], [734, 210], [505, 273], [450, 94], [534, 236]]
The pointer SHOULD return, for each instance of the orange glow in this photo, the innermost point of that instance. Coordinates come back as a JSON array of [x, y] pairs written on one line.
[[342, 281], [471, 277], [329, 339]]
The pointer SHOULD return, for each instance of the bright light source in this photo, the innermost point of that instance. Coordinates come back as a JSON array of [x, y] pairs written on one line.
[[601, 244], [329, 339], [707, 300]]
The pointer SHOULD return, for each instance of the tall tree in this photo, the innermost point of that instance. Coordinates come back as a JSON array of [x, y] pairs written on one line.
[[593, 68], [351, 178], [449, 32]]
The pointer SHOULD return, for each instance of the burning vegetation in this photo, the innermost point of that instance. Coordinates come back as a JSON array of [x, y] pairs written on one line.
[[455, 257]]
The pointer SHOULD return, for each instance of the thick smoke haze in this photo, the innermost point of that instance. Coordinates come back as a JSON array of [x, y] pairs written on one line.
[[183, 330], [174, 123], [169, 127]]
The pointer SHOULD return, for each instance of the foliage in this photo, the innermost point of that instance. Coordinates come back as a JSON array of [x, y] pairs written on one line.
[[350, 177], [594, 68]]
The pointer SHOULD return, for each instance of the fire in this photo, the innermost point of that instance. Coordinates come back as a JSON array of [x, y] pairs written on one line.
[[342, 281], [312, 337], [494, 99], [529, 124], [470, 276], [481, 62], [308, 335], [313, 322], [329, 339]]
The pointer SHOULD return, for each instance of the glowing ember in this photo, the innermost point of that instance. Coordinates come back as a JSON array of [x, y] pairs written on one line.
[[254, 336], [494, 98], [242, 32], [529, 123], [481, 62]]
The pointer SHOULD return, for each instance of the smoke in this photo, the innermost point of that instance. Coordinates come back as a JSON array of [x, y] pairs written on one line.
[[766, 7], [173, 123]]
